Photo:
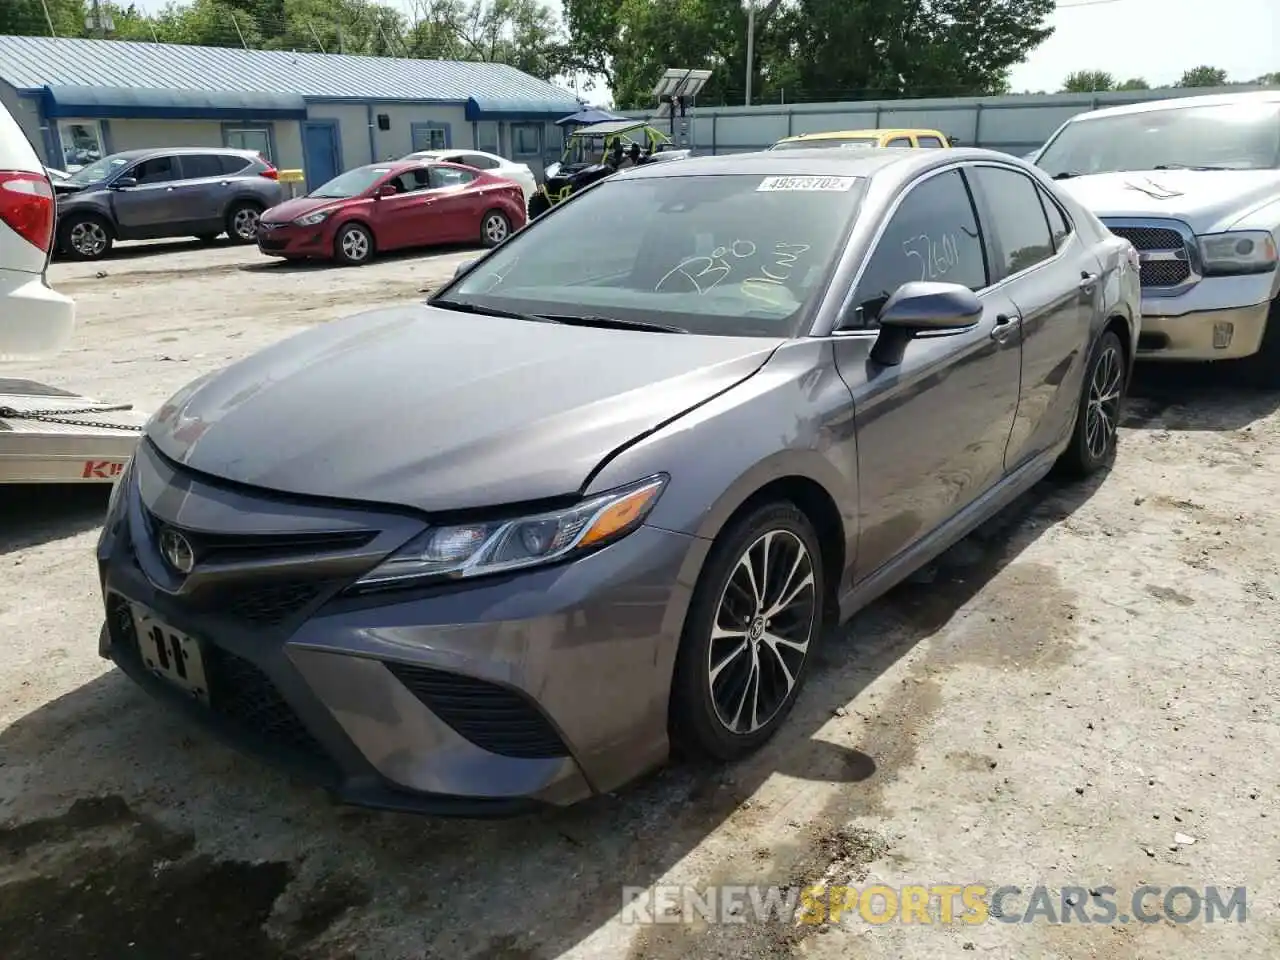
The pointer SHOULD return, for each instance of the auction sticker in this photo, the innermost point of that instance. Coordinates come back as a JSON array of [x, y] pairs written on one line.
[[809, 184]]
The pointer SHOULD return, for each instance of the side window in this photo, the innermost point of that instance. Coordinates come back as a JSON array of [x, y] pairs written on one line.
[[197, 165], [232, 163], [1016, 217], [899, 142], [412, 180], [479, 161], [155, 170], [933, 236], [450, 177], [1059, 227], [932, 143]]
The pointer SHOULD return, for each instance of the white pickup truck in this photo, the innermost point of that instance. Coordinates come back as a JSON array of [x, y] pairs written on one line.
[[1194, 185]]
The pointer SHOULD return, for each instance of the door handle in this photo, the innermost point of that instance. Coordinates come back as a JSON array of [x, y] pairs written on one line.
[[1087, 280], [1006, 324], [168, 189]]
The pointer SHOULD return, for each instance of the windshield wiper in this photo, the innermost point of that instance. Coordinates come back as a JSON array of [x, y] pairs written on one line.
[[490, 311], [1067, 174], [1188, 166], [614, 322]]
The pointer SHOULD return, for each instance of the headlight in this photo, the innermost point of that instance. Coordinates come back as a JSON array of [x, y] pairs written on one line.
[[552, 170], [1242, 251], [311, 219], [477, 549]]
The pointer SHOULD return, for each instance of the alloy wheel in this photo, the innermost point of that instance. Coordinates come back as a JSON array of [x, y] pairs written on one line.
[[762, 630], [1102, 414], [495, 228], [355, 245], [245, 223], [88, 238]]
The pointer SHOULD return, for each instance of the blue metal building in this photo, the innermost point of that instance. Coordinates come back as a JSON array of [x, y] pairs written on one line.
[[80, 99]]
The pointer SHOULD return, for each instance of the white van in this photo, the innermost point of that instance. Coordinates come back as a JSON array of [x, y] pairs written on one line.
[[34, 320]]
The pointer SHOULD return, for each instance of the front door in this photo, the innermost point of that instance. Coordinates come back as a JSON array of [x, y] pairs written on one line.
[[151, 207], [1053, 280], [932, 431], [319, 153]]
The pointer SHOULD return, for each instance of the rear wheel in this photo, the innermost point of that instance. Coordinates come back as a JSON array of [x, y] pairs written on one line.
[[1093, 441], [242, 222], [85, 236], [538, 205], [353, 245], [749, 634], [494, 228]]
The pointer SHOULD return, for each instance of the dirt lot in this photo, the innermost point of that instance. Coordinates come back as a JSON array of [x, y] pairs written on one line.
[[1070, 688]]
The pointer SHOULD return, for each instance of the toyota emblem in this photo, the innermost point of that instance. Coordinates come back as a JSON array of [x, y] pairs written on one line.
[[177, 550]]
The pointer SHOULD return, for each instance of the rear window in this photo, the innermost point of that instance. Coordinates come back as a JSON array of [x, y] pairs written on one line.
[[230, 163], [198, 165]]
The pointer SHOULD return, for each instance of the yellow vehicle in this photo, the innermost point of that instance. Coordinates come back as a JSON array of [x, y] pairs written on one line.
[[865, 139]]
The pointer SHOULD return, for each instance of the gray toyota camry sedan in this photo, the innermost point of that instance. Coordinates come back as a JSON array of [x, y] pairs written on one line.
[[605, 492]]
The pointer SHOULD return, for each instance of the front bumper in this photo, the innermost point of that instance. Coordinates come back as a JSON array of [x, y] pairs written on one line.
[[1224, 334], [537, 689], [291, 240]]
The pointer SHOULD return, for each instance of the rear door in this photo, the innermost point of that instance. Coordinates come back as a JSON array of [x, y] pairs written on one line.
[[454, 206], [150, 208], [1052, 278], [203, 191]]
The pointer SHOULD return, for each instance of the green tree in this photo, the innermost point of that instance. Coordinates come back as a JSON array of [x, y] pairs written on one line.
[[1204, 76], [1134, 83], [26, 18], [1269, 80], [1088, 81]]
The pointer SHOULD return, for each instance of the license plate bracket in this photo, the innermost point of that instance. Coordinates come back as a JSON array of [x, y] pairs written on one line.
[[170, 654]]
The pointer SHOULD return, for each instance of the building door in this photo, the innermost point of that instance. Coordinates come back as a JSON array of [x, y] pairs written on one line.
[[320, 153]]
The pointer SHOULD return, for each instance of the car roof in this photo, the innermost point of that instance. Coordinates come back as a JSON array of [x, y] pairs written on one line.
[[815, 162], [139, 153], [876, 132], [1177, 103]]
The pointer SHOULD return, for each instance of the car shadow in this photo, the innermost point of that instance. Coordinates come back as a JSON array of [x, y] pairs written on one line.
[[277, 265], [531, 887], [131, 250], [1196, 396], [33, 514]]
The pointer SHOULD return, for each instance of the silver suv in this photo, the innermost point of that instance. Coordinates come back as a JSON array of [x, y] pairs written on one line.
[[1194, 184], [150, 194]]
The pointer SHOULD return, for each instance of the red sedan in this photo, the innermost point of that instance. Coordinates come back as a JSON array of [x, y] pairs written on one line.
[[392, 206]]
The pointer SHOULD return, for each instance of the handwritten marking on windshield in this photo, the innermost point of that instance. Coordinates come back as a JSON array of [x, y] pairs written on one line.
[[936, 258], [705, 273]]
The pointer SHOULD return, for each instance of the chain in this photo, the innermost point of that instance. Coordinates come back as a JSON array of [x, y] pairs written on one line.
[[61, 416]]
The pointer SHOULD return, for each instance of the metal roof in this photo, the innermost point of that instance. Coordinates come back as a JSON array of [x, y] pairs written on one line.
[[488, 89]]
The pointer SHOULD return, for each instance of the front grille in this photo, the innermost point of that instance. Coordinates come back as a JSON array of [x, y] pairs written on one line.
[[272, 243], [1165, 240], [239, 692], [270, 606], [494, 718]]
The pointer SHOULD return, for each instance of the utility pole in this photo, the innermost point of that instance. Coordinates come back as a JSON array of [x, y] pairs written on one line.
[[99, 26], [48, 19], [235, 23], [751, 44]]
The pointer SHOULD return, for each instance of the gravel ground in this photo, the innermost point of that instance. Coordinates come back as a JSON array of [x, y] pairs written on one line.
[[1050, 704]]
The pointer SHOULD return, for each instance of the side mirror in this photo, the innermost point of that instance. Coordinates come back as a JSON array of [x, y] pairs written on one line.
[[124, 183], [463, 267], [386, 190], [917, 308]]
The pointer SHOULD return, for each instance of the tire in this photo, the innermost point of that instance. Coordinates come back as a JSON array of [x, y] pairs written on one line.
[[208, 237], [242, 221], [538, 205], [1262, 370], [1099, 409], [494, 228], [353, 245], [85, 236], [702, 721]]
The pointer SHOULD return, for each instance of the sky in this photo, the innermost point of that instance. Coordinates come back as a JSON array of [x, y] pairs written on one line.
[[1153, 39]]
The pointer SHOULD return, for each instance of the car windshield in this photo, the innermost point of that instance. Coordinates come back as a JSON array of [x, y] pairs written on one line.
[[1227, 137], [97, 171], [735, 255], [583, 150], [351, 184], [849, 143]]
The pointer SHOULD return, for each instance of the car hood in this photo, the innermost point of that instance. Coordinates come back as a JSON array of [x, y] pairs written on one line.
[[439, 410], [299, 207], [1207, 200]]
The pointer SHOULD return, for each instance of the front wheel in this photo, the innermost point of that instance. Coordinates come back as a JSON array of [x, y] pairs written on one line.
[[749, 634], [1093, 441], [353, 245], [85, 237]]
